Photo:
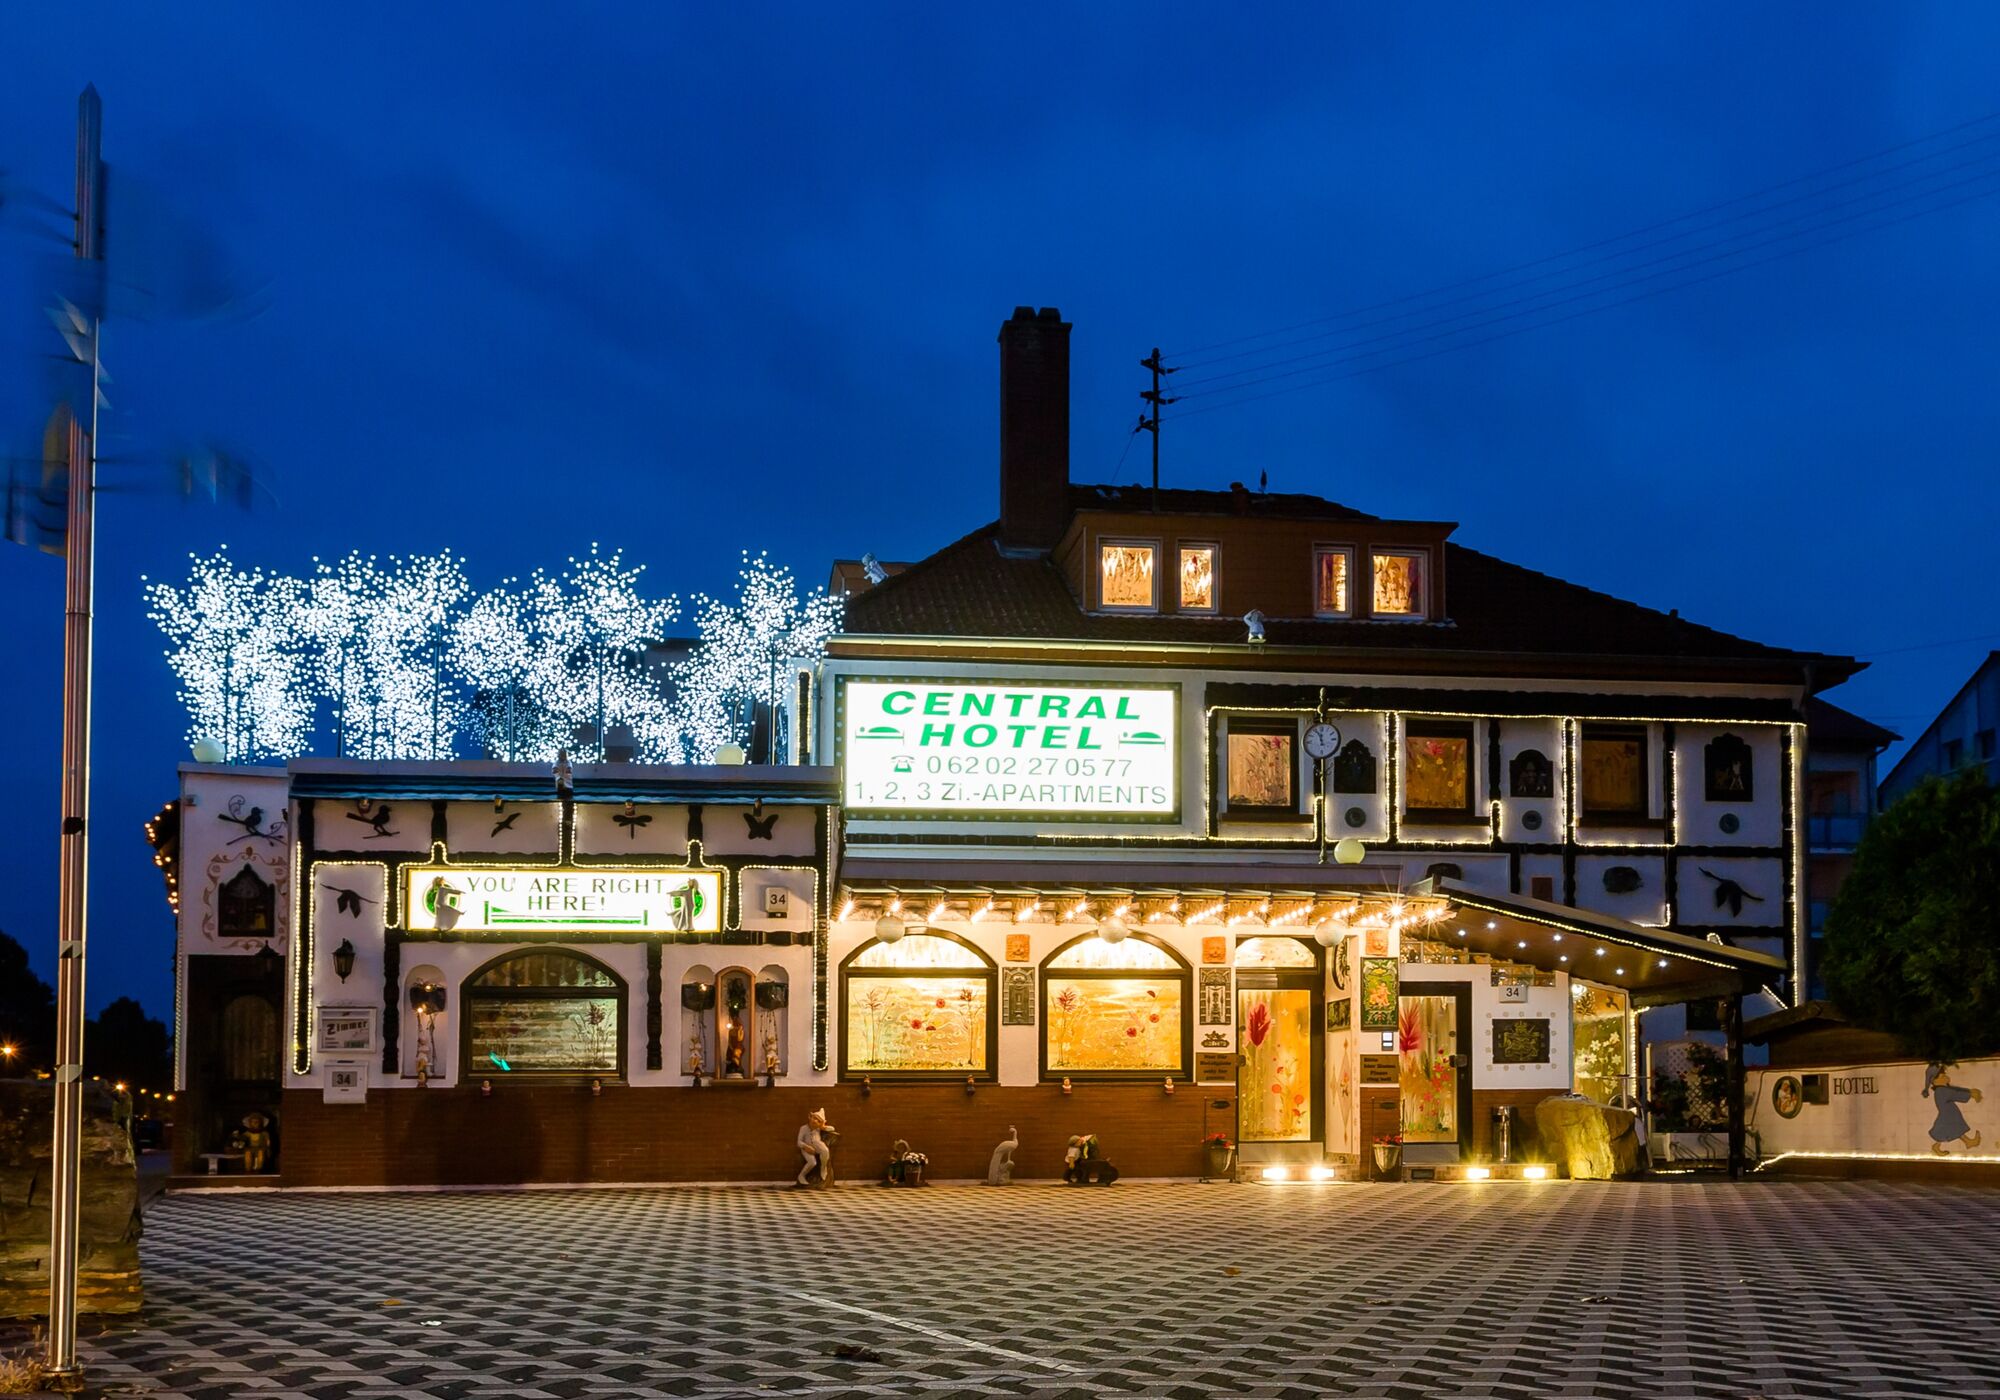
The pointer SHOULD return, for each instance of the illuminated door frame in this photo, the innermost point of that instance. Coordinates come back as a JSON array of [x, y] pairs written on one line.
[[1461, 994]]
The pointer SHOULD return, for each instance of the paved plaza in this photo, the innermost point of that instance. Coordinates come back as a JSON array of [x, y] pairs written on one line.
[[1657, 1290]]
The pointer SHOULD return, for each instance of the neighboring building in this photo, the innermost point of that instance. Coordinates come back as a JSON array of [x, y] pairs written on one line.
[[1841, 749], [1962, 733], [1148, 815]]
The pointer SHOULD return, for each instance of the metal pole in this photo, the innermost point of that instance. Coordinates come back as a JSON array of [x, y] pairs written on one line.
[[65, 1207], [1733, 1024]]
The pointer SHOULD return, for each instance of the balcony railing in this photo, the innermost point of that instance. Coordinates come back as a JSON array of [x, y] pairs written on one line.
[[1836, 831]]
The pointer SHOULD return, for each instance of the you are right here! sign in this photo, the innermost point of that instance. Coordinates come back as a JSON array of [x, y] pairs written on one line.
[[998, 750]]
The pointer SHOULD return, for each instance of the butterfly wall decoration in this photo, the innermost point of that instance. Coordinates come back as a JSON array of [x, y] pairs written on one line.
[[761, 826]]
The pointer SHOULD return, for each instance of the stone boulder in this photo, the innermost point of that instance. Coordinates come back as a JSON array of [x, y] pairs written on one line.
[[108, 1277], [1590, 1141]]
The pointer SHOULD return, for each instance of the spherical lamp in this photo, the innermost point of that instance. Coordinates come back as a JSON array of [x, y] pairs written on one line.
[[888, 929], [1329, 935], [1112, 929], [1348, 851]]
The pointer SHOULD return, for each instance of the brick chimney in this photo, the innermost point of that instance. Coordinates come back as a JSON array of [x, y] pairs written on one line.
[[1034, 430]]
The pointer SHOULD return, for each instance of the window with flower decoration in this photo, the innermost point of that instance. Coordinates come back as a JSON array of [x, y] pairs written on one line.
[[1399, 584], [1437, 771], [1612, 777], [547, 1011], [1260, 768], [1126, 575], [1198, 578], [922, 1006], [1112, 1010]]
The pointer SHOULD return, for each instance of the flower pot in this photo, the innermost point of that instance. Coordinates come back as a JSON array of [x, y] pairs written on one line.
[[1388, 1157], [913, 1174], [1219, 1159]]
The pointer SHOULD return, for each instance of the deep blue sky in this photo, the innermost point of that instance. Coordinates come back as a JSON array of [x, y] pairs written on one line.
[[686, 280]]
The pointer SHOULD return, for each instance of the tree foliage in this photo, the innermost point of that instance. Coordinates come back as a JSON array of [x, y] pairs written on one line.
[[123, 1045], [27, 1012], [1913, 939]]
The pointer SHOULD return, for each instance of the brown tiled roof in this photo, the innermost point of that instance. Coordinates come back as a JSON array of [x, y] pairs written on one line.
[[1829, 725], [970, 589]]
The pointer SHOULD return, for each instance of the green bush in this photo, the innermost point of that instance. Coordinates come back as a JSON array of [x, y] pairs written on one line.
[[1913, 939]]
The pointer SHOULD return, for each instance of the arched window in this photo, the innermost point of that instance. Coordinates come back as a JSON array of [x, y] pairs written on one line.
[[1112, 1010], [1274, 950], [921, 1006], [245, 906], [546, 1011]]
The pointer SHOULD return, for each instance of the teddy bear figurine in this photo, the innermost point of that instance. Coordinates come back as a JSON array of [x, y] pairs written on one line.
[[256, 1137]]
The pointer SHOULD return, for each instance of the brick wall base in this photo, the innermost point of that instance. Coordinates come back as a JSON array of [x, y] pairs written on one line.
[[526, 1133]]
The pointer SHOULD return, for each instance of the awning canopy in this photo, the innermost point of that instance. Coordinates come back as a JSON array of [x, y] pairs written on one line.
[[1656, 966]]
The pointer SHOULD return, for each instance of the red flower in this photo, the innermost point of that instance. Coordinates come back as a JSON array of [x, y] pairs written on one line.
[[940, 1002], [916, 1023], [1131, 1030], [1259, 1024], [1154, 1017], [1409, 1030]]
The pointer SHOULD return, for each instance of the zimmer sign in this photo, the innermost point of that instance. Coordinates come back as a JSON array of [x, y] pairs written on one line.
[[470, 899], [1031, 749]]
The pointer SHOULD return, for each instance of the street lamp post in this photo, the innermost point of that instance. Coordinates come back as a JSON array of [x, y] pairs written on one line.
[[65, 1205]]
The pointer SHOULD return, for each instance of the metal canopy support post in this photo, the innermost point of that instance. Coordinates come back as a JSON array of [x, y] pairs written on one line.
[[1733, 1013]]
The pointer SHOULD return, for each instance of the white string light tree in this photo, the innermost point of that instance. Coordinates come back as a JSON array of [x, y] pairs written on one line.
[[235, 651], [340, 600], [407, 645], [491, 649], [749, 651], [589, 628]]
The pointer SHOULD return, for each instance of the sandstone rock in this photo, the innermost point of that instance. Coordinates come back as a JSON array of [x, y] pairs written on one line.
[[109, 1254], [1590, 1141]]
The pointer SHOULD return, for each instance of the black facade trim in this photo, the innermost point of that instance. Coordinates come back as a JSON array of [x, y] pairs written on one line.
[[1501, 704]]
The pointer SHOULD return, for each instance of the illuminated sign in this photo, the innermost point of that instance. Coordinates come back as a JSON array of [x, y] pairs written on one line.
[[1009, 750], [467, 899]]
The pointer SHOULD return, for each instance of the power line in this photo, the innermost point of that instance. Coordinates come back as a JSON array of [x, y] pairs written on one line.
[[1596, 244], [1253, 374], [1584, 311]]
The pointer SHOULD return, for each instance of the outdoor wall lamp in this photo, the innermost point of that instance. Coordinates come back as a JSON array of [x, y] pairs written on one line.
[[597, 1088], [969, 1086], [485, 1088], [343, 958], [1169, 1086], [1066, 1084], [425, 997], [867, 1086]]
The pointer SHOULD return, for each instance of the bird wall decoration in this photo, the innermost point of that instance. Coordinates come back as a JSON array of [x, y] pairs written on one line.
[[505, 823], [251, 818], [374, 815]]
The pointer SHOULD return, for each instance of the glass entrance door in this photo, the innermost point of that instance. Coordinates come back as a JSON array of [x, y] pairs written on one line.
[[1433, 1035], [1275, 1086]]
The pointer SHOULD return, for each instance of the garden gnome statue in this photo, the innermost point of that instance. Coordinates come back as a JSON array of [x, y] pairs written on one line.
[[814, 1147], [256, 1142], [1000, 1171]]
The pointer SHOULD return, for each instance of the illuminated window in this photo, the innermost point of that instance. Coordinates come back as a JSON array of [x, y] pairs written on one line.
[[1611, 773], [1112, 1009], [1437, 771], [1399, 585], [1197, 578], [1261, 768], [549, 1011], [1125, 576], [921, 1006], [1331, 570]]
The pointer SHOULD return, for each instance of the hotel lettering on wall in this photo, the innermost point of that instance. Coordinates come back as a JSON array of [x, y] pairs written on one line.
[[980, 749], [471, 899]]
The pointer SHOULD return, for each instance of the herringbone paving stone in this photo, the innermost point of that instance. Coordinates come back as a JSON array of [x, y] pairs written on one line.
[[1486, 1292]]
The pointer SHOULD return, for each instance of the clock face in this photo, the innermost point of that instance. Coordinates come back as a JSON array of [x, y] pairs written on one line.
[[1322, 740]]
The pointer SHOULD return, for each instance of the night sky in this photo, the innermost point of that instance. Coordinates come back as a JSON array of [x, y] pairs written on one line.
[[687, 282]]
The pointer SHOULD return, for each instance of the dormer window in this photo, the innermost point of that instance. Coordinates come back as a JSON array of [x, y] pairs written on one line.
[[1333, 571], [1127, 577], [1399, 584], [1197, 578]]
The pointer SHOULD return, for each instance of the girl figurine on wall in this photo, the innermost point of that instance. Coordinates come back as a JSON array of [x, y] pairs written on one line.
[[1950, 1122]]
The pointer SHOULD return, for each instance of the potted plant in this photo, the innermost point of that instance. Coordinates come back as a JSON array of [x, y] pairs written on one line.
[[1220, 1152], [906, 1166], [1388, 1154]]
